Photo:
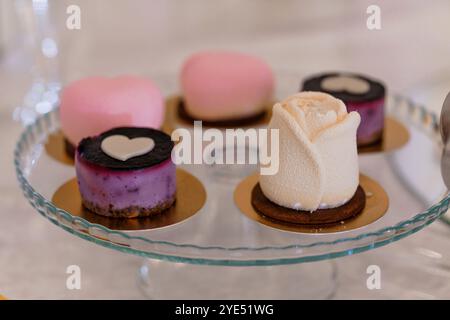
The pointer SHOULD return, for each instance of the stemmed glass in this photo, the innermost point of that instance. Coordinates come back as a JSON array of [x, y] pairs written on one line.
[[40, 44]]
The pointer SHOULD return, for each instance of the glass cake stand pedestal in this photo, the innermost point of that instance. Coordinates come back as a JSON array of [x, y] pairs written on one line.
[[220, 252], [168, 280]]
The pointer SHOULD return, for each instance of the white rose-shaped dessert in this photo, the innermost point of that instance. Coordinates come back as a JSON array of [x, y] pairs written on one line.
[[318, 160]]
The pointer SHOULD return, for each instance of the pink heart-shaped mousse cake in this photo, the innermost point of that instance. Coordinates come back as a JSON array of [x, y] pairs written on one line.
[[93, 105], [220, 86]]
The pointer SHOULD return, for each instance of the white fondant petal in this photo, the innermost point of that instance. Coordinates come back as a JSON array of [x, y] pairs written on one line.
[[337, 148], [300, 178]]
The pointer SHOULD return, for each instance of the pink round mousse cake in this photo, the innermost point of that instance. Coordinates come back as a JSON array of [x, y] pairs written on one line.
[[126, 172], [93, 105], [225, 86], [359, 93]]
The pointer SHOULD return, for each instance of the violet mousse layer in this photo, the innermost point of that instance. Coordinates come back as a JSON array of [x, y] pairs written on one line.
[[126, 172], [359, 93]]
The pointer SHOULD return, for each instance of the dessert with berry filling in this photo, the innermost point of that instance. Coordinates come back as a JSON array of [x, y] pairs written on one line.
[[126, 172], [359, 93]]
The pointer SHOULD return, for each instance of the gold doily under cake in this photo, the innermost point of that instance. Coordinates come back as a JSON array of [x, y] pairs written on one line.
[[55, 148], [173, 119], [190, 198], [395, 136], [377, 204]]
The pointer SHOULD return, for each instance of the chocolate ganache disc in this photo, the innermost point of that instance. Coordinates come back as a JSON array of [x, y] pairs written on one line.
[[90, 149], [375, 91]]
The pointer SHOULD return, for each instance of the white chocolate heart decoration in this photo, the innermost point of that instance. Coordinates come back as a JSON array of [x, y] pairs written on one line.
[[346, 83], [122, 148]]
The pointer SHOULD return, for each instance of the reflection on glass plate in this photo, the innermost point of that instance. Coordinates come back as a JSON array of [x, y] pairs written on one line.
[[220, 235]]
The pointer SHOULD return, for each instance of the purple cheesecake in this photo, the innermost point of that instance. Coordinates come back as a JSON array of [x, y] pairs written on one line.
[[126, 172], [359, 93]]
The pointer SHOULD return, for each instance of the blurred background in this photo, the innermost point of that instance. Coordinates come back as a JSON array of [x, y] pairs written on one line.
[[39, 55]]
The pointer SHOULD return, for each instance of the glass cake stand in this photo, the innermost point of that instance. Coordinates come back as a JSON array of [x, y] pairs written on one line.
[[211, 254]]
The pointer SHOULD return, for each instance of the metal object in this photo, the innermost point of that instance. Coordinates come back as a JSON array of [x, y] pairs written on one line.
[[445, 133]]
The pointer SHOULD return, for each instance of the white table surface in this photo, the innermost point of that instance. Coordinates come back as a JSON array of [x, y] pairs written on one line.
[[410, 53]]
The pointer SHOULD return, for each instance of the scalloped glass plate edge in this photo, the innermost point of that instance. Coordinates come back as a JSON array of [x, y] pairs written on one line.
[[121, 241]]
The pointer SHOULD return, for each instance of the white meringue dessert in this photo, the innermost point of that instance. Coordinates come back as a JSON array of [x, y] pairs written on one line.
[[318, 160]]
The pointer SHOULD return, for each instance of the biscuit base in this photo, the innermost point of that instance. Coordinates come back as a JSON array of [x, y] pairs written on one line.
[[270, 210], [372, 141], [226, 123], [129, 212], [69, 148]]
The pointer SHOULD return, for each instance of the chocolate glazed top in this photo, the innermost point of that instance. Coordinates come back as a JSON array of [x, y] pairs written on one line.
[[377, 89], [90, 149]]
